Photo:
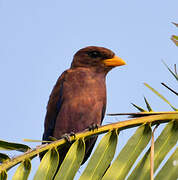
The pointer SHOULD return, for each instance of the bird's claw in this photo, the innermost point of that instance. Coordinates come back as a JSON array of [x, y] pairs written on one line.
[[66, 136], [72, 134], [92, 127]]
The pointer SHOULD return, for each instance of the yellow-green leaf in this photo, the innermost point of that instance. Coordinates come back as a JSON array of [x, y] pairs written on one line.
[[170, 169], [3, 157], [23, 171], [3, 175], [4, 145], [159, 95], [147, 105], [164, 143], [48, 165], [72, 161], [101, 158], [174, 74], [128, 155], [139, 108]]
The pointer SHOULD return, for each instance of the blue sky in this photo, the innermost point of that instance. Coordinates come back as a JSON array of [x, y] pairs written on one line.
[[38, 40]]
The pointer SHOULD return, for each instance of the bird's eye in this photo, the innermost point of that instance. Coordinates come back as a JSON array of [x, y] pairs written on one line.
[[94, 54]]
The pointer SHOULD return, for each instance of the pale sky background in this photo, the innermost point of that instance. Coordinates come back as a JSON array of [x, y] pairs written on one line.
[[38, 39]]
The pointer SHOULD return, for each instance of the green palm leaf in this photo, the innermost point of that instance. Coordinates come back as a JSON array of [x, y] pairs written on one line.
[[101, 158], [23, 171], [102, 164], [48, 165], [104, 153]]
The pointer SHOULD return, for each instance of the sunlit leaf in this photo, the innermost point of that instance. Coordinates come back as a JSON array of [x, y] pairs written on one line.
[[23, 171], [128, 155], [164, 143], [4, 145], [148, 105], [101, 158], [3, 175], [170, 169], [139, 108], [72, 161], [159, 95], [175, 37], [48, 165], [3, 157], [174, 74], [33, 140]]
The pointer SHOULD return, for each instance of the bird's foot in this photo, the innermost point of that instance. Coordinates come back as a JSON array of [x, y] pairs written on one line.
[[66, 136], [93, 126], [72, 134]]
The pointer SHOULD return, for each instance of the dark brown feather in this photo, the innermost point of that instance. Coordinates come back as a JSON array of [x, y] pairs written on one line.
[[79, 97]]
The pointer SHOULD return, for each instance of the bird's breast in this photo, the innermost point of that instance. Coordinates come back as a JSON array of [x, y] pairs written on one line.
[[84, 97]]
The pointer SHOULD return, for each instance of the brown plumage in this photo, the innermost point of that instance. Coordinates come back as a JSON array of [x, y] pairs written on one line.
[[79, 97]]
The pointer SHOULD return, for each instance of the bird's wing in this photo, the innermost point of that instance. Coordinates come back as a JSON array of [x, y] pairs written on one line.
[[53, 107]]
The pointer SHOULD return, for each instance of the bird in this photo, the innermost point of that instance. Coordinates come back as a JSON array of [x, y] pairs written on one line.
[[78, 98]]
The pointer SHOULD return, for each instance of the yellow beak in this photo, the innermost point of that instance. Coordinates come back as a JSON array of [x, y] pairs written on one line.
[[115, 61]]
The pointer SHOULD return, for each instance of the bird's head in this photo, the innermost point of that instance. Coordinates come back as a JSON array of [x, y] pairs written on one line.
[[98, 58]]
